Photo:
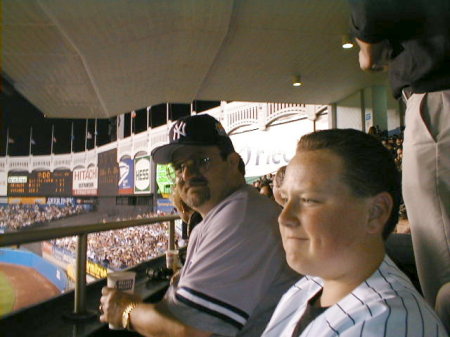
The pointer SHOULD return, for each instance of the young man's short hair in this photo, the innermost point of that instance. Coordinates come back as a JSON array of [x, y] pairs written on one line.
[[369, 166]]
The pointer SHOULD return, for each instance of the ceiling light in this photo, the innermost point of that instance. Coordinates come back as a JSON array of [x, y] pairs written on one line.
[[347, 42], [297, 81]]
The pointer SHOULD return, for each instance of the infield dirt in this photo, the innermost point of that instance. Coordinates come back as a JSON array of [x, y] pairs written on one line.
[[28, 285]]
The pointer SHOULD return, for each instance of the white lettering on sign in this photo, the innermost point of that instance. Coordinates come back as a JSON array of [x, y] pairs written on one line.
[[85, 181], [258, 157], [265, 151], [142, 175], [17, 179], [179, 130]]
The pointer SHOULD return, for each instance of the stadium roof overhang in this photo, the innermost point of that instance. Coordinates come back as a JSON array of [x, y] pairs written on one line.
[[97, 59]]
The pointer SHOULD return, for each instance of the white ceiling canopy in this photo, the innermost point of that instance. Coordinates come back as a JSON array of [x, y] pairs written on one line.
[[101, 58]]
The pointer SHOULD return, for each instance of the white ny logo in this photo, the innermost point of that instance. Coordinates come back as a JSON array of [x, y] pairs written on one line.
[[179, 130]]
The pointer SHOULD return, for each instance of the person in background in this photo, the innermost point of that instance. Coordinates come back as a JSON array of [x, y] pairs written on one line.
[[403, 226], [189, 217], [373, 132], [277, 182], [414, 35], [257, 184], [341, 197], [266, 190], [235, 271]]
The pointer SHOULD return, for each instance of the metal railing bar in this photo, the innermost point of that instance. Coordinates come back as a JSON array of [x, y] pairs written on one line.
[[171, 245], [80, 284]]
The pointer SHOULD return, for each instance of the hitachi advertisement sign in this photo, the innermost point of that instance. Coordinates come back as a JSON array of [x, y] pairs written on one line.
[[85, 181]]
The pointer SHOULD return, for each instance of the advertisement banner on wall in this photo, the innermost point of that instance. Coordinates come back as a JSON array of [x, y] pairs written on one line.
[[3, 183], [165, 205], [108, 173], [61, 201], [264, 151], [142, 175], [85, 181], [47, 248], [26, 200], [126, 176], [163, 180], [96, 270]]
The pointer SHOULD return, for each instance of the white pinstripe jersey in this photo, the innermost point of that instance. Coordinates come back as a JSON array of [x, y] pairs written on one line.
[[385, 305]]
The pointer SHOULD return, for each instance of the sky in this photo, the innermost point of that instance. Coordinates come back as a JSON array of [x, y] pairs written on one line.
[[19, 118]]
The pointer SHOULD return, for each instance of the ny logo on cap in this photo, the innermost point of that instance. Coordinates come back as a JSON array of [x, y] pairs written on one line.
[[179, 130]]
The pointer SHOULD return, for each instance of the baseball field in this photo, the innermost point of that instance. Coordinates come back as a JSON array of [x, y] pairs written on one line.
[[22, 286], [7, 294]]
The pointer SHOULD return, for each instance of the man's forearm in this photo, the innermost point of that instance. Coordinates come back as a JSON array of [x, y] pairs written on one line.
[[154, 320]]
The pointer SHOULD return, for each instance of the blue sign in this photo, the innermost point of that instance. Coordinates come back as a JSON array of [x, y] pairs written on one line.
[[165, 205], [126, 176]]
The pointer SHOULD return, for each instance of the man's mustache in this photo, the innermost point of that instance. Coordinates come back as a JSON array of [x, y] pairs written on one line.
[[195, 181]]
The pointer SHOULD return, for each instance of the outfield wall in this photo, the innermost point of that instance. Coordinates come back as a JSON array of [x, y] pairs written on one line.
[[66, 260], [54, 274]]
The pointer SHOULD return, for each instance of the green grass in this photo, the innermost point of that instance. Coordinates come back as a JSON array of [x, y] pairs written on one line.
[[7, 295]]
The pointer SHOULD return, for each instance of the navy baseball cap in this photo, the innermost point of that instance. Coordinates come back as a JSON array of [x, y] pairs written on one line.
[[199, 130]]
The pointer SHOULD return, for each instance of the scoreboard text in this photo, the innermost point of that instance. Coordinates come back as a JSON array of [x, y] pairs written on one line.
[[41, 183]]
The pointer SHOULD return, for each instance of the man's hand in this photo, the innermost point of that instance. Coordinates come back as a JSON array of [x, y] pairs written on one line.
[[147, 319], [175, 278], [113, 303], [371, 56]]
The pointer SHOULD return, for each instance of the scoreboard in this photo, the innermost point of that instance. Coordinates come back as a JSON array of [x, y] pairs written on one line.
[[40, 183]]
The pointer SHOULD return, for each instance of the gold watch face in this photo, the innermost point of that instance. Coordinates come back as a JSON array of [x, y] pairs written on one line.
[[126, 315]]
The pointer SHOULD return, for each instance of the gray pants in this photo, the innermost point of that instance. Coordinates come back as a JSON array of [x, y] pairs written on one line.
[[426, 187]]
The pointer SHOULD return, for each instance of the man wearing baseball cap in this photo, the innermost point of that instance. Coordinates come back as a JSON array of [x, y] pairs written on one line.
[[235, 270]]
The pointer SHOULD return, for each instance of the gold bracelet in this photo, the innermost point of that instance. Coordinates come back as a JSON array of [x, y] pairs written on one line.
[[126, 315]]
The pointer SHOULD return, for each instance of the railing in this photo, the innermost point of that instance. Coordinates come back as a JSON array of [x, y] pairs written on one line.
[[82, 231]]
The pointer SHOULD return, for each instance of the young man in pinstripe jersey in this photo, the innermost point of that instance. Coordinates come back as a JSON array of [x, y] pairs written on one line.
[[341, 198]]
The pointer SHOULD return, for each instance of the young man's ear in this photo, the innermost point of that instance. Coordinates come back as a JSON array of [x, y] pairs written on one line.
[[379, 212]]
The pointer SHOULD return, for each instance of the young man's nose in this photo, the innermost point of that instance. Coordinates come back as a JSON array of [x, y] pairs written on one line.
[[289, 215]]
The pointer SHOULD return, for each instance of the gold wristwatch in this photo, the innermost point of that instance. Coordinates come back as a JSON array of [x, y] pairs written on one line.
[[126, 315]]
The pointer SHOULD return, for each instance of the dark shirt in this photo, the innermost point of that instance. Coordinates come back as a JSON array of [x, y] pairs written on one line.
[[311, 312], [418, 33], [186, 228], [194, 220]]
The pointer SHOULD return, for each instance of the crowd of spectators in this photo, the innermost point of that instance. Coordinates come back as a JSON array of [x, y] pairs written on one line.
[[263, 182], [16, 217], [120, 249], [394, 143], [115, 250]]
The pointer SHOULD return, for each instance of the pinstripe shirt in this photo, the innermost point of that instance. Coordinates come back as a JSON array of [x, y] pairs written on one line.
[[235, 271], [386, 304]]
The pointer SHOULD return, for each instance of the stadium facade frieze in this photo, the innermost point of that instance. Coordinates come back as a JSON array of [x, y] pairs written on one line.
[[264, 134]]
